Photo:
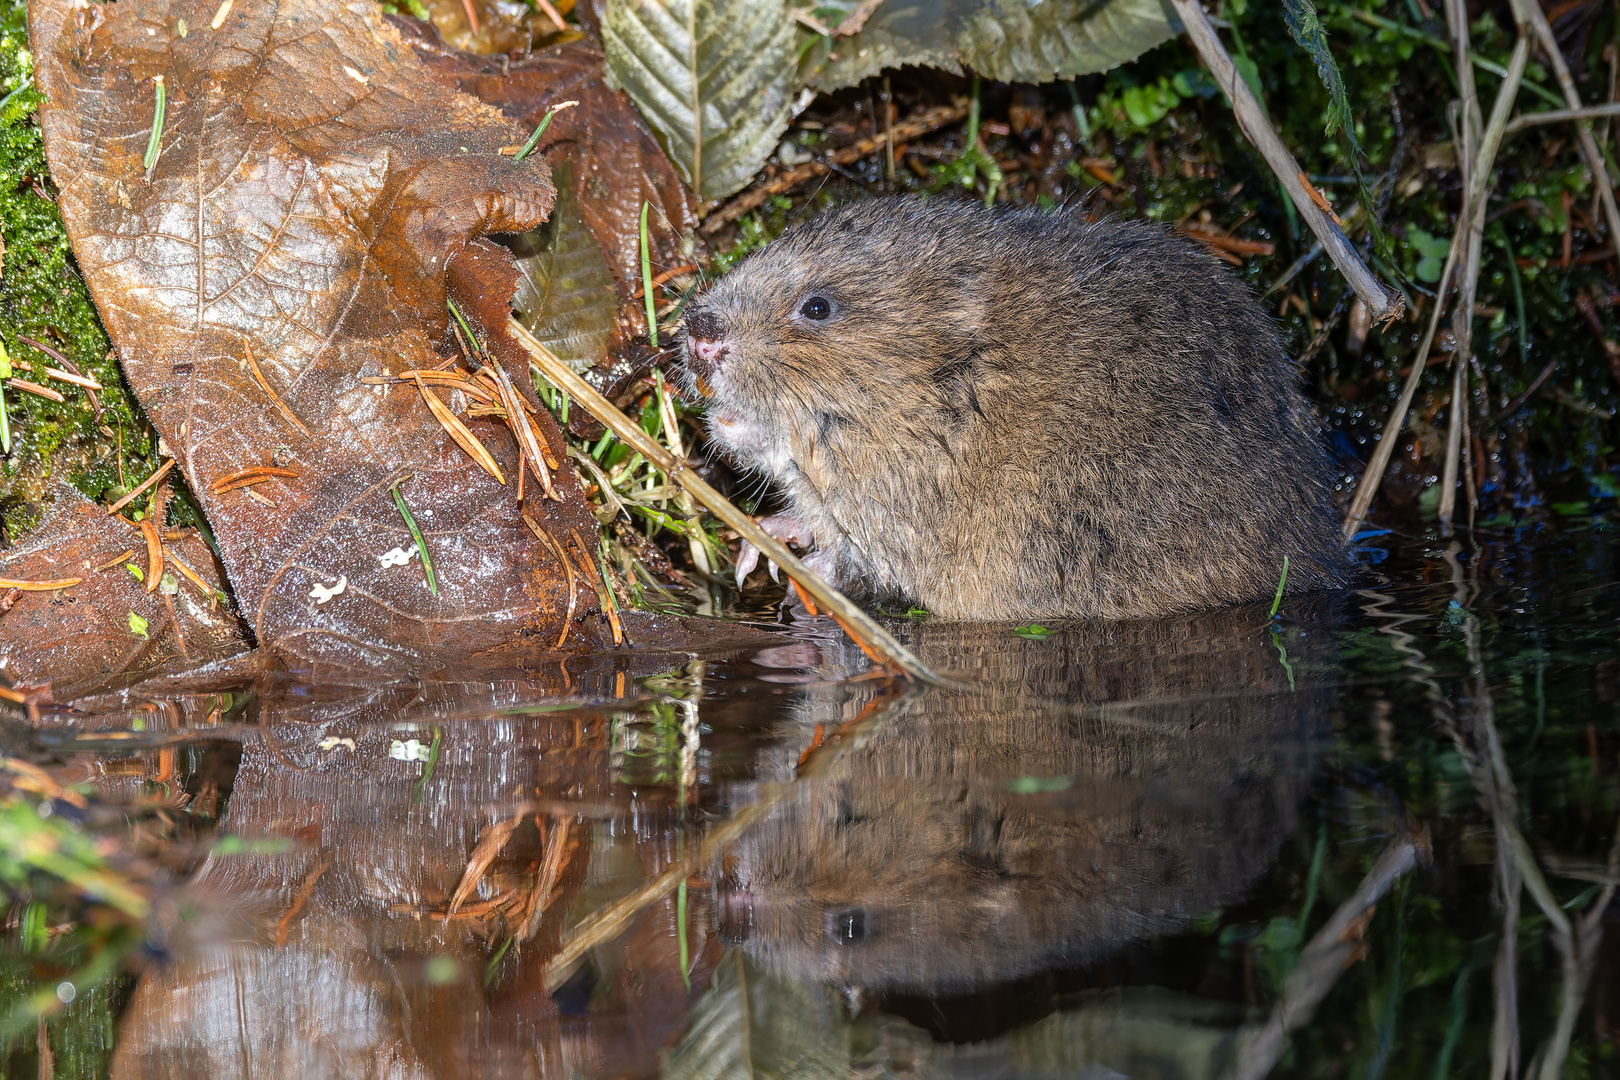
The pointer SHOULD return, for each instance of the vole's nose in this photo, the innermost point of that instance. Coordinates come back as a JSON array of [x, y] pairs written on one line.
[[705, 342]]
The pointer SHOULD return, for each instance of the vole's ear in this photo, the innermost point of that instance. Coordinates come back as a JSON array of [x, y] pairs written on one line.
[[956, 381]]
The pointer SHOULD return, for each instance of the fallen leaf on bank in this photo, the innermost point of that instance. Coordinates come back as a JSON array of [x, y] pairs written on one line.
[[312, 182], [1009, 42], [569, 297], [607, 163], [82, 638]]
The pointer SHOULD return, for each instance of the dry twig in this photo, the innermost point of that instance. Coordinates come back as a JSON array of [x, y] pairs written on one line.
[[1384, 304]]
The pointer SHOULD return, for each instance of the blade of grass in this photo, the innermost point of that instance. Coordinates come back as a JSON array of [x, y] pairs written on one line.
[[427, 769], [154, 141], [416, 534], [646, 279], [1277, 600], [545, 121]]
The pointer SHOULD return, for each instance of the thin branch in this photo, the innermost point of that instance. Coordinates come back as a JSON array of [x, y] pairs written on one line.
[[1465, 249], [1384, 304], [1530, 11], [1559, 116], [1480, 176]]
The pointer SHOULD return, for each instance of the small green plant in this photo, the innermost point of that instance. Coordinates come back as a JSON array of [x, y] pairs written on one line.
[[1034, 632]]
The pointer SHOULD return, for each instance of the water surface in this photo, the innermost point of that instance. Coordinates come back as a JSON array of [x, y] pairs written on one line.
[[1125, 849]]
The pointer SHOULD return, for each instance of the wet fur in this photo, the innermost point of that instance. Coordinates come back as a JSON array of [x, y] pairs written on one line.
[[1019, 414]]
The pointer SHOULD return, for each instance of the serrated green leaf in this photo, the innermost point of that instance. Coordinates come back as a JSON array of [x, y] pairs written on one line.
[[566, 298], [1011, 42], [713, 78]]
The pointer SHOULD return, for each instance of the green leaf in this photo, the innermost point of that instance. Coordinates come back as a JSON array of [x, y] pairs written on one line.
[[1010, 42], [137, 624], [236, 845], [1037, 785], [566, 298], [137, 572], [1431, 250], [713, 78], [1194, 82], [1034, 631], [1146, 105]]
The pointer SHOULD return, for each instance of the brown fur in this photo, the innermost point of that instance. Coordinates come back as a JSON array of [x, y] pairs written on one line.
[[1014, 414]]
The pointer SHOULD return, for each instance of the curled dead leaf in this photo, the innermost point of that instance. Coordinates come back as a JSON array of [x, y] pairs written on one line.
[[289, 249]]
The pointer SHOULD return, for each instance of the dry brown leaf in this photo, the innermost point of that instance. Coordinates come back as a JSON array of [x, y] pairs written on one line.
[[314, 182], [616, 162], [81, 637]]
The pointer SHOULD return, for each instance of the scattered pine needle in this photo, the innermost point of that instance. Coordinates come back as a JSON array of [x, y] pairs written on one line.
[[148, 482], [553, 14], [275, 398], [255, 474], [458, 431], [35, 389], [568, 565], [191, 574], [39, 586], [488, 847], [129, 553], [154, 553], [559, 844], [284, 924], [518, 420]]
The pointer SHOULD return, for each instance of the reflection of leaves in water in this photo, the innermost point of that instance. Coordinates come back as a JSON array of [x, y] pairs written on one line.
[[567, 298], [749, 1024]]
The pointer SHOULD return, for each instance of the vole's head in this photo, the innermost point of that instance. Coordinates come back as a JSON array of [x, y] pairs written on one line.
[[848, 323]]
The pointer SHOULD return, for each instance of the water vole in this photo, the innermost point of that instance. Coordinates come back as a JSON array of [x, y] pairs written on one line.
[[1016, 414]]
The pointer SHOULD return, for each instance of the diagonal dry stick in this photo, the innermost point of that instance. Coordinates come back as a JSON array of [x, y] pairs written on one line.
[[1531, 13], [1465, 251], [858, 623], [1385, 304]]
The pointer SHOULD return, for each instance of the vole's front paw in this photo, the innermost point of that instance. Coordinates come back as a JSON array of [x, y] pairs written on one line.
[[786, 528]]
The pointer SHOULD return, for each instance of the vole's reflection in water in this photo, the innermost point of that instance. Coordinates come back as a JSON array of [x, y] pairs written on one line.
[[1105, 784]]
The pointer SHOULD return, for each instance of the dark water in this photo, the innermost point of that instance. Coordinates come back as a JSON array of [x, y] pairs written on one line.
[[1138, 849]]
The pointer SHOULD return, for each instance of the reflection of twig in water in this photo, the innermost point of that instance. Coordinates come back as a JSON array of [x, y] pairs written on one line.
[[604, 924], [1517, 866], [1331, 950]]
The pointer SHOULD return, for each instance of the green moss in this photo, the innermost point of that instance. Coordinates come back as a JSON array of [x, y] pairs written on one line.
[[43, 297]]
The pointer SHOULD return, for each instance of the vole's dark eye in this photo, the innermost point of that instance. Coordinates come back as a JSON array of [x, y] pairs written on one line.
[[816, 308]]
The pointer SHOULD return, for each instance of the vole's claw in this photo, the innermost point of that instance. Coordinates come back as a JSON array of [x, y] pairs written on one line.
[[784, 527], [748, 561]]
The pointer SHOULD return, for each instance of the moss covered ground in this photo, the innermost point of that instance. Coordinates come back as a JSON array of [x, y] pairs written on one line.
[[43, 298]]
